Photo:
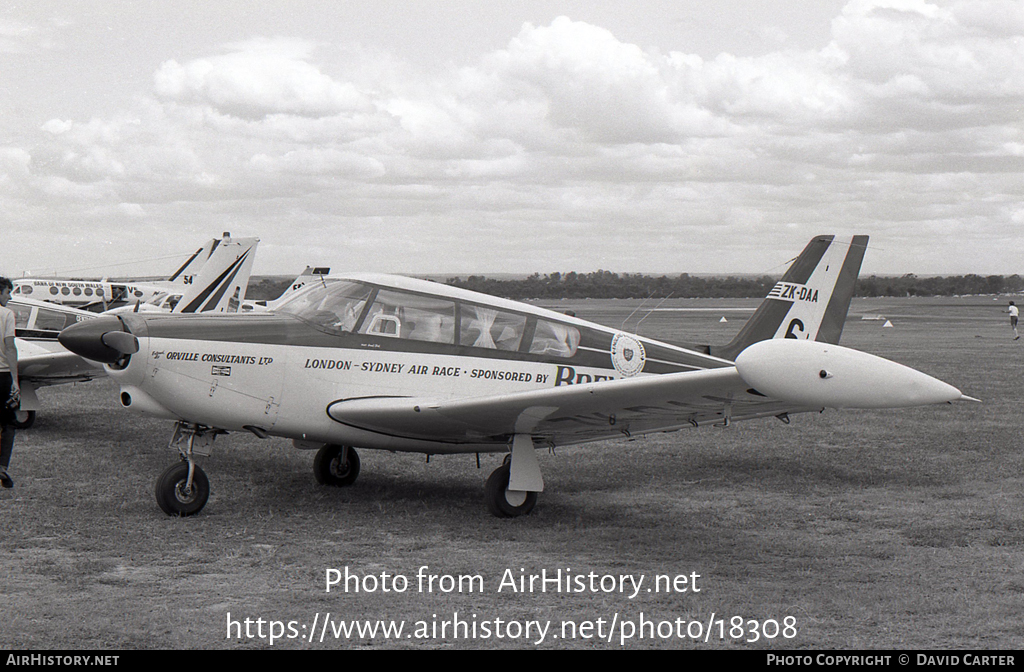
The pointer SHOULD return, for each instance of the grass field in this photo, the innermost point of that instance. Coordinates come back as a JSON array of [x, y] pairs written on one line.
[[889, 529]]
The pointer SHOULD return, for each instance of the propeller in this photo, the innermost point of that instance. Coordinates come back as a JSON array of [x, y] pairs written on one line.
[[103, 339]]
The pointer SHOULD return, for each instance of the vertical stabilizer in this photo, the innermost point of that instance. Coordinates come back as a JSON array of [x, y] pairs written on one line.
[[221, 284], [188, 271], [811, 300], [310, 274]]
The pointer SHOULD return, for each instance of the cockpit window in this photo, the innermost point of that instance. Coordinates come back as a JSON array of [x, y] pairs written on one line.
[[335, 305], [418, 318]]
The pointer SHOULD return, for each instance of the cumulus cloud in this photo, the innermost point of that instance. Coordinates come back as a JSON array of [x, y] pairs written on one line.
[[910, 113], [258, 78], [590, 81]]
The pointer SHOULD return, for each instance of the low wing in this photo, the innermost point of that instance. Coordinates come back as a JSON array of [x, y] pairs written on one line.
[[41, 365], [569, 414]]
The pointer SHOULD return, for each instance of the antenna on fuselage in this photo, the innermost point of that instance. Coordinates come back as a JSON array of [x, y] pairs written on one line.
[[636, 331], [622, 327]]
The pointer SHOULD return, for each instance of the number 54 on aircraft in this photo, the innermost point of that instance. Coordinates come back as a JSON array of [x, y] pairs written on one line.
[[392, 363]]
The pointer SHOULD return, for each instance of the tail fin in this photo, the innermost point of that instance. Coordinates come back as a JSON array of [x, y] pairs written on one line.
[[194, 264], [811, 300], [304, 278], [311, 274], [221, 284]]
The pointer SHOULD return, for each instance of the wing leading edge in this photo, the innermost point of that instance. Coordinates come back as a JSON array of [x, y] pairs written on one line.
[[566, 415]]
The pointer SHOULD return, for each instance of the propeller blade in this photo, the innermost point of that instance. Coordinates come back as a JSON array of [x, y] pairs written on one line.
[[121, 341]]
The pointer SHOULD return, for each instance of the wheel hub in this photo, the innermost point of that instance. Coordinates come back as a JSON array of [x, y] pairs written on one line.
[[515, 497], [183, 493]]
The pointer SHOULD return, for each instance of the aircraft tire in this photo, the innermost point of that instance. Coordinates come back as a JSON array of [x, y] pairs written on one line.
[[169, 493], [24, 419], [495, 493], [328, 468]]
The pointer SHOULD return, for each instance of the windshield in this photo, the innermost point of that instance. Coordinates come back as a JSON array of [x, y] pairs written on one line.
[[334, 305]]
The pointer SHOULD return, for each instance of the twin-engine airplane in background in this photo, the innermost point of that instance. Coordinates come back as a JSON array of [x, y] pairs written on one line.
[[393, 363], [218, 285], [103, 295]]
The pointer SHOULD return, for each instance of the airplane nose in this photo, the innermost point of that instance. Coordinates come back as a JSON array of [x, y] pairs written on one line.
[[103, 339]]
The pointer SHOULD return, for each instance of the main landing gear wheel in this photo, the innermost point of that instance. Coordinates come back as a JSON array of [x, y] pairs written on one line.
[[175, 498], [505, 503], [24, 419], [336, 465]]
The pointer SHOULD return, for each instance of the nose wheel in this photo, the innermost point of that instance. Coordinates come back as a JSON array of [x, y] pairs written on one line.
[[178, 494], [182, 490]]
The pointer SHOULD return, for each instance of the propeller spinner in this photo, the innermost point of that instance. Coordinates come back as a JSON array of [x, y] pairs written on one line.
[[104, 339]]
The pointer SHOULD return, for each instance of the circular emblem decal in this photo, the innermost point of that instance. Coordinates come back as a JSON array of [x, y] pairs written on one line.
[[628, 355]]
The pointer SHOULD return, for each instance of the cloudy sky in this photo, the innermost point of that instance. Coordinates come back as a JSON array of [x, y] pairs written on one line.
[[458, 136]]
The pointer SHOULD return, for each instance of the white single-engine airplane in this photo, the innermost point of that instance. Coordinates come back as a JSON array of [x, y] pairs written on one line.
[[398, 364]]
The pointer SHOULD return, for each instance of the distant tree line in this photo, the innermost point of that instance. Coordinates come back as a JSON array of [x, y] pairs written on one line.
[[952, 285], [606, 285]]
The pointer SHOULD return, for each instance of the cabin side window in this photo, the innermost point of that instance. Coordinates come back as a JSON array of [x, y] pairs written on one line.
[[554, 339], [490, 328], [418, 318], [52, 320]]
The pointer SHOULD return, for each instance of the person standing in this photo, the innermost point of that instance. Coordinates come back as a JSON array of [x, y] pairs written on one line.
[[1014, 314], [10, 390]]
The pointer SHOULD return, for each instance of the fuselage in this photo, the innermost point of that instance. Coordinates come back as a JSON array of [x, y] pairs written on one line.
[[370, 336], [87, 292]]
